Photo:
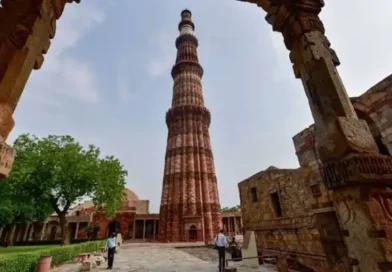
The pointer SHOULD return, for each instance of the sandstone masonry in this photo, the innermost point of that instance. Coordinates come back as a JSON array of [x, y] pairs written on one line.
[[292, 211], [190, 208]]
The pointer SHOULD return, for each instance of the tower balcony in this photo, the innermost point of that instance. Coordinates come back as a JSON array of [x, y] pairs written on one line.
[[190, 66]]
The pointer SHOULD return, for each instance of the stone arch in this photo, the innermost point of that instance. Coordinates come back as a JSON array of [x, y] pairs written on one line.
[[193, 233], [20, 54], [303, 32], [53, 232], [113, 227]]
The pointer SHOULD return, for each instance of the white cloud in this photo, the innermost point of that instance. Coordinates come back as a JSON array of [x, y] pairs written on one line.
[[62, 75], [125, 89], [164, 41]]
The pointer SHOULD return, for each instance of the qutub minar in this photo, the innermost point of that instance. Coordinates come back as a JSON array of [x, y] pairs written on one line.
[[190, 208]]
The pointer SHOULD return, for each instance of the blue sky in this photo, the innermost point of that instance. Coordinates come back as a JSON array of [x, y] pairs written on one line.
[[106, 81]]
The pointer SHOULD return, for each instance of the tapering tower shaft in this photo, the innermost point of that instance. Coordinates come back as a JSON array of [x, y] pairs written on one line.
[[190, 208]]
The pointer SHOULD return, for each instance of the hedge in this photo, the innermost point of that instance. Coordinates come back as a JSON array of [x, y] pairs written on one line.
[[26, 262], [49, 242]]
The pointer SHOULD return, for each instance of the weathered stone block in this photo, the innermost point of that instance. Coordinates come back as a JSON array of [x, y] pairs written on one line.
[[86, 266], [230, 269]]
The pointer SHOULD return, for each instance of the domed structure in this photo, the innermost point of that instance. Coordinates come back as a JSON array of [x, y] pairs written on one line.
[[131, 195]]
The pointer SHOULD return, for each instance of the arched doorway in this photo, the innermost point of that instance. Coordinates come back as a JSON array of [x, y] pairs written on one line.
[[193, 233], [53, 233], [113, 227]]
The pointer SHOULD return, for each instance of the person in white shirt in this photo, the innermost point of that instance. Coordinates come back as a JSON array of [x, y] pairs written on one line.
[[221, 244], [111, 249]]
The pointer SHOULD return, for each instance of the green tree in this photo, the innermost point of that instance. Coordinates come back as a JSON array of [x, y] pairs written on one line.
[[231, 209], [18, 204], [59, 171]]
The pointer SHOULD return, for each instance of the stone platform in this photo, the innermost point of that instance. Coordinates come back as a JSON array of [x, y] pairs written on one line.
[[146, 257]]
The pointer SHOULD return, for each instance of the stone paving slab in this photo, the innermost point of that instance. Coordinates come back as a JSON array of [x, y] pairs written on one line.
[[162, 258]]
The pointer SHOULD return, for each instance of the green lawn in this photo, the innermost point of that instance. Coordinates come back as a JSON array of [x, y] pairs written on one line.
[[23, 249]]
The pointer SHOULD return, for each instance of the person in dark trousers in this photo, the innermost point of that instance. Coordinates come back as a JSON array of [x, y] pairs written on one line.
[[111, 249], [235, 251], [221, 244]]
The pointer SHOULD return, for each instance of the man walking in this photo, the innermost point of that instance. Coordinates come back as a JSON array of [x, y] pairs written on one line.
[[111, 249], [221, 244]]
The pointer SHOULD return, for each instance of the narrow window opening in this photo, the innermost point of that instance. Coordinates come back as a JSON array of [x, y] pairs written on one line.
[[254, 194], [276, 203], [381, 146]]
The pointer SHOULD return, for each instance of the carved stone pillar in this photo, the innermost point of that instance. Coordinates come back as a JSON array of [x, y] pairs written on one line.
[[352, 166], [76, 231], [30, 237], [26, 28], [26, 232], [144, 229], [43, 230], [134, 229], [154, 228]]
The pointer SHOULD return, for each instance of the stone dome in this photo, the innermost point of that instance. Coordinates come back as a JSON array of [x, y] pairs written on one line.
[[131, 195], [272, 168]]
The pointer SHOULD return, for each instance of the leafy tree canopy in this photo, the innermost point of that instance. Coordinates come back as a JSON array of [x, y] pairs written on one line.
[[59, 171], [231, 209], [18, 204]]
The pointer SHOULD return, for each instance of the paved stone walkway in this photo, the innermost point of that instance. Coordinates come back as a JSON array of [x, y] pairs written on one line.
[[163, 258]]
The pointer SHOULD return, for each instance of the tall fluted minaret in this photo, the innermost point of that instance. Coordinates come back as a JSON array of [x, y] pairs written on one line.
[[190, 208]]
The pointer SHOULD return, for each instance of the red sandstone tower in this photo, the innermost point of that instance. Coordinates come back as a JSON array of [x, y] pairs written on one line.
[[190, 208]]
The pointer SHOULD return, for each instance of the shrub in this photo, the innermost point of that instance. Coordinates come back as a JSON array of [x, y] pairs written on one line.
[[49, 242], [27, 262]]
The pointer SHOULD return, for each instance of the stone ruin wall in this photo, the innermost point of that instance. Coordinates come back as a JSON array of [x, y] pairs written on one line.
[[375, 106], [305, 149], [305, 200], [296, 231]]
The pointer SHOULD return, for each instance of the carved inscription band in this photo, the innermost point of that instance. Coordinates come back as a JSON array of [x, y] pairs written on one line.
[[187, 66], [196, 175], [187, 38], [357, 169], [200, 207], [187, 81], [189, 150], [196, 113]]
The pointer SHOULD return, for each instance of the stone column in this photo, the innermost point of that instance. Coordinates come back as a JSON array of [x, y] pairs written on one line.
[[42, 236], [235, 224], [154, 228], [134, 229], [144, 229], [353, 170], [30, 237], [26, 231], [19, 232], [77, 230]]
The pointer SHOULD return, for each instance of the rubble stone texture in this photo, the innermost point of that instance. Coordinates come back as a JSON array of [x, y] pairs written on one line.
[[308, 225], [190, 208], [353, 169]]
